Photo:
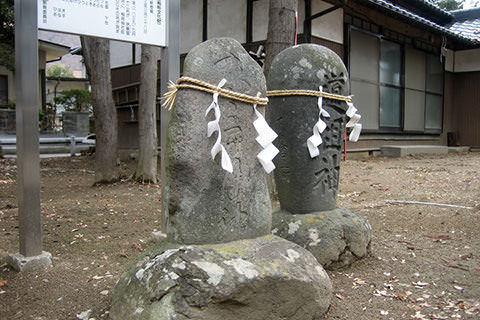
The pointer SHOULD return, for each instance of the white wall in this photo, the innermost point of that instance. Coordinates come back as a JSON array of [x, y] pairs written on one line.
[[467, 60], [449, 60], [227, 18], [329, 26], [260, 20], [120, 54], [63, 86], [191, 24]]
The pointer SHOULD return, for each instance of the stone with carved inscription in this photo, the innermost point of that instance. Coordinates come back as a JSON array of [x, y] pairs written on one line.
[[309, 185], [207, 204]]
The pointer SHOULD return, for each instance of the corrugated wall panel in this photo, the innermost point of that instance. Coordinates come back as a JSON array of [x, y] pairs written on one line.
[[466, 104]]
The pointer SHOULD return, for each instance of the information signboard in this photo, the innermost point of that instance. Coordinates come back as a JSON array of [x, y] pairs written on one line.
[[141, 21]]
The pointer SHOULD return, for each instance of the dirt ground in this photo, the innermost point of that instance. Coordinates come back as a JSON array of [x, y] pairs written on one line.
[[424, 264]]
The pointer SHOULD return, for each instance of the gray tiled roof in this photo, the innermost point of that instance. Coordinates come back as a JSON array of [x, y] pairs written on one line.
[[415, 17], [467, 28], [467, 23], [435, 8]]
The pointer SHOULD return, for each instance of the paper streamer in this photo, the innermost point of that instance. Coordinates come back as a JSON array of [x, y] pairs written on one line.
[[354, 118], [265, 137], [214, 126], [316, 139]]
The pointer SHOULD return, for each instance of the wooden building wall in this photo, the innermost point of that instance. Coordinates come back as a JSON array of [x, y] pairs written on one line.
[[466, 107]]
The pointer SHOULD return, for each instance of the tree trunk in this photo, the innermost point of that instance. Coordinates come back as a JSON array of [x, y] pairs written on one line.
[[281, 29], [281, 35], [147, 120], [96, 54]]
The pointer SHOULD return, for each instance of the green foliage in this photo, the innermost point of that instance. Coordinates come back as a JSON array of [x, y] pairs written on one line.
[[11, 104], [449, 5], [59, 70], [75, 100], [7, 32]]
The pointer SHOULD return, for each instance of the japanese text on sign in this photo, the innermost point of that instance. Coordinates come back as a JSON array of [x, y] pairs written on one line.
[[142, 21]]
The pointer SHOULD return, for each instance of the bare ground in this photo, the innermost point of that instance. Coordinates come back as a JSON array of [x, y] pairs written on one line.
[[425, 260]]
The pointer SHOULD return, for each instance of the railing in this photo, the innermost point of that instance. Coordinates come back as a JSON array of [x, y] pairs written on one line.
[[51, 145]]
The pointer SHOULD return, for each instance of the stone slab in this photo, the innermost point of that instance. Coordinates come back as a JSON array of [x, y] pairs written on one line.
[[24, 264], [458, 149], [403, 151], [265, 278], [336, 238]]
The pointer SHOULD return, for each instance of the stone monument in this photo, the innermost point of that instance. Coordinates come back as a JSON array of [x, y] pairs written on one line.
[[220, 260], [307, 175]]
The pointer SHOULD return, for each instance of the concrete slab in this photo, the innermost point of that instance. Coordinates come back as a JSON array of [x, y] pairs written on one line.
[[402, 151], [362, 154], [21, 263], [458, 149]]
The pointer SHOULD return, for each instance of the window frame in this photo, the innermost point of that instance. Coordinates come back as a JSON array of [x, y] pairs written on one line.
[[401, 87], [407, 43]]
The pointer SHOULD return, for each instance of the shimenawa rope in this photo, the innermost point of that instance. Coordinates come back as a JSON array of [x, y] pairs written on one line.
[[276, 93], [200, 85], [195, 84]]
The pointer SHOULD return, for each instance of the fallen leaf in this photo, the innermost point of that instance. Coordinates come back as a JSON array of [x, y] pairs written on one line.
[[339, 296], [137, 246], [420, 284], [466, 256], [3, 283], [418, 315], [441, 236]]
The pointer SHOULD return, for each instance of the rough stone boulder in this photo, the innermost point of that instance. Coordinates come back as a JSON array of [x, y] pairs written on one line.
[[266, 278], [335, 237]]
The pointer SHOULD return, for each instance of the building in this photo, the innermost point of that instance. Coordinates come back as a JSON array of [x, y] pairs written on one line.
[[46, 51], [414, 68]]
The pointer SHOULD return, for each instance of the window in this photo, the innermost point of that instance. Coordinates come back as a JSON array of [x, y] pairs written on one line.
[[397, 88], [390, 84], [3, 90], [433, 94]]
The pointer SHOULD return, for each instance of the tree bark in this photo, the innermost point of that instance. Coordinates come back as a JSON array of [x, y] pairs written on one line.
[[96, 54], [281, 29], [147, 119], [281, 35]]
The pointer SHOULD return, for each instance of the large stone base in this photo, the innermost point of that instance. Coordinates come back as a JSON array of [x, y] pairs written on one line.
[[266, 278], [336, 238], [21, 263]]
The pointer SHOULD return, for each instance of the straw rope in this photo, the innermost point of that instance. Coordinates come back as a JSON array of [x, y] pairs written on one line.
[[277, 93], [200, 85]]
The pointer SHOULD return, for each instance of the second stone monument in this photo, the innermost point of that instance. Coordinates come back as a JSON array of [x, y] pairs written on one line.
[[311, 130]]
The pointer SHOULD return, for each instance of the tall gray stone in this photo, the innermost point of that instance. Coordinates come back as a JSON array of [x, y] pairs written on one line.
[[309, 185], [205, 203]]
